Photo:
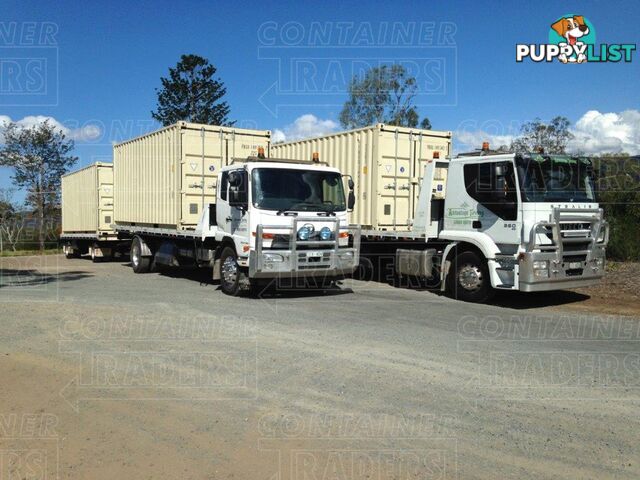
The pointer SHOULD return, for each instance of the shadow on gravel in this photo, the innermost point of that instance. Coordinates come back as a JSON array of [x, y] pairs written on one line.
[[32, 278], [521, 301], [270, 290], [201, 275]]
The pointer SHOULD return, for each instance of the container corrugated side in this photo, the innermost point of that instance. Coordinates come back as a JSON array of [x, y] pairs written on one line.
[[87, 200], [386, 163], [166, 177]]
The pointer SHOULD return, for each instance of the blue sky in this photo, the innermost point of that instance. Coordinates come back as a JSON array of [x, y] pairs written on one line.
[[104, 60]]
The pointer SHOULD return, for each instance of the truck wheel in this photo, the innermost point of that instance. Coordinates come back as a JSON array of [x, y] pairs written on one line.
[[139, 263], [72, 253], [94, 257], [468, 279], [230, 272]]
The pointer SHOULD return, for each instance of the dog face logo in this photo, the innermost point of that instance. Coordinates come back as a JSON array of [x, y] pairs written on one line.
[[572, 29]]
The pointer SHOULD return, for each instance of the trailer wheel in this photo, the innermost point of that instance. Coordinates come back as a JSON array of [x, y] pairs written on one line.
[[230, 272], [94, 257], [139, 263], [468, 280]]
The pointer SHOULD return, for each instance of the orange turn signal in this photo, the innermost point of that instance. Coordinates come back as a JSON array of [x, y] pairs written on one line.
[[344, 235], [266, 236]]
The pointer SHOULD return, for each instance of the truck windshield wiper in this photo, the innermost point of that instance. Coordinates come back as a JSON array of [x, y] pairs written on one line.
[[328, 213], [287, 213]]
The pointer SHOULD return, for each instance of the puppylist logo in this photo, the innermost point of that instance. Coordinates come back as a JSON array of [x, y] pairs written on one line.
[[572, 39]]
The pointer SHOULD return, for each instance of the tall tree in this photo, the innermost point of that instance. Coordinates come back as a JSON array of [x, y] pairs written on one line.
[[384, 94], [39, 155], [192, 93], [12, 220], [551, 137]]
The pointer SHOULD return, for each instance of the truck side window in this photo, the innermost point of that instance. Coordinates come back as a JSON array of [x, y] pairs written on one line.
[[494, 190], [224, 184]]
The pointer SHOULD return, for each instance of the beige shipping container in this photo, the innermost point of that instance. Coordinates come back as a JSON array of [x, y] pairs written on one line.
[[166, 177], [87, 201], [386, 163]]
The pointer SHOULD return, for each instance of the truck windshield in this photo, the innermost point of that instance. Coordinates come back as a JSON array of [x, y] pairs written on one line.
[[555, 178], [298, 190]]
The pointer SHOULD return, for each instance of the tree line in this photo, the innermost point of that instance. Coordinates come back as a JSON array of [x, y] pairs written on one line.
[[39, 155]]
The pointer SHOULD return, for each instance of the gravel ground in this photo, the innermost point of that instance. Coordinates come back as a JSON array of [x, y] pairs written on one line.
[[107, 374]]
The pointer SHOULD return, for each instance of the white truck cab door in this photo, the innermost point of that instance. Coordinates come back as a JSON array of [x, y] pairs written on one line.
[[232, 211], [488, 202]]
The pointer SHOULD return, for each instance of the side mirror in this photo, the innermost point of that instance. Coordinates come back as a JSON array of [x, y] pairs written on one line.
[[235, 179], [238, 196], [351, 184], [351, 200]]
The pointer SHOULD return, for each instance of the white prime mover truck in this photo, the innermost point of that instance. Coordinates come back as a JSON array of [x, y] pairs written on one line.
[[481, 223]]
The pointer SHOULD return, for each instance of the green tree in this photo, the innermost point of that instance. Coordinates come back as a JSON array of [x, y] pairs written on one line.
[[192, 93], [618, 186], [552, 137], [383, 95], [39, 156]]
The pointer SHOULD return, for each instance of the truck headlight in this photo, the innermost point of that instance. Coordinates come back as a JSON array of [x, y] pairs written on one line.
[[346, 257], [541, 268], [303, 233], [540, 265], [325, 233], [273, 257]]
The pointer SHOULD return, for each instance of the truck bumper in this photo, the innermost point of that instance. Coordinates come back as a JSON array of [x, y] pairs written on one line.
[[540, 271], [302, 263]]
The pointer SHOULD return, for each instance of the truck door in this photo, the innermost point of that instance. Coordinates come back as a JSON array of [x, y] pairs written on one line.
[[491, 204], [232, 209]]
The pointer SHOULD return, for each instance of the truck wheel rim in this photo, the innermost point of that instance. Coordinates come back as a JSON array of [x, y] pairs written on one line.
[[135, 255], [229, 271], [470, 277]]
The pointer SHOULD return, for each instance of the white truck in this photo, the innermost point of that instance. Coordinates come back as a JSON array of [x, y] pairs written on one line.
[[271, 219], [526, 222]]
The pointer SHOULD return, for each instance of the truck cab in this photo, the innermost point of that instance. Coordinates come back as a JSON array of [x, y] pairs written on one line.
[[527, 222], [279, 218]]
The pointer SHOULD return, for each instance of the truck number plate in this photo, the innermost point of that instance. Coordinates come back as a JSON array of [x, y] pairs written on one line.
[[314, 254], [575, 265]]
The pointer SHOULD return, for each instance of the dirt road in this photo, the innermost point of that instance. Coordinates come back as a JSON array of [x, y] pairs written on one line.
[[107, 374]]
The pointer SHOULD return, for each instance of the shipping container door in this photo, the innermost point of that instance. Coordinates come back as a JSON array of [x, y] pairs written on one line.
[[105, 197], [394, 176], [203, 154]]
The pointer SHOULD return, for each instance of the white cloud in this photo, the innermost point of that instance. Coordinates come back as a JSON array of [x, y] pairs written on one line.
[[472, 140], [85, 133], [594, 133], [305, 126], [597, 133]]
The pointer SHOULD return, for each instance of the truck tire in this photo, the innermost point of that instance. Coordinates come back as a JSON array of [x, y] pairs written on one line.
[[468, 278], [139, 263], [94, 257], [230, 272]]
